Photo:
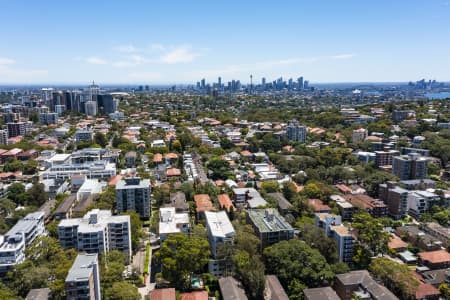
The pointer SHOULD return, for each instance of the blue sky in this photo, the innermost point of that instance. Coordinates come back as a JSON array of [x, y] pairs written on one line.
[[156, 42]]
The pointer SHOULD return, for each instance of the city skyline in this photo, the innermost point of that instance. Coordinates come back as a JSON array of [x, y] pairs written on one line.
[[181, 43]]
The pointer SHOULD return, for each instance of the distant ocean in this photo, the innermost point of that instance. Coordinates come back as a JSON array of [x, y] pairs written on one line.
[[437, 96]]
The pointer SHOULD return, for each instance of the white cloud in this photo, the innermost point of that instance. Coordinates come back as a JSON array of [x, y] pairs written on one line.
[[343, 56], [126, 48], [6, 61], [94, 60], [157, 47], [180, 54], [130, 61]]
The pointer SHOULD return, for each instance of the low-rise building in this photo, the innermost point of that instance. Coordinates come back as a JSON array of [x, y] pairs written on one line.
[[362, 285], [417, 237], [373, 206], [274, 290], [322, 293], [269, 226], [203, 204], [438, 259], [440, 232], [171, 222], [90, 187], [83, 280], [231, 289]]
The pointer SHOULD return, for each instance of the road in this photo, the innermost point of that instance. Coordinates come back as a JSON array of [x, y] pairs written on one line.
[[149, 286], [200, 170]]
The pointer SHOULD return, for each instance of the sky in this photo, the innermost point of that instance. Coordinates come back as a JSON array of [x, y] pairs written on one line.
[[181, 42]]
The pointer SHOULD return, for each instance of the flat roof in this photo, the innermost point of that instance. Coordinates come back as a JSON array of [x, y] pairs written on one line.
[[82, 267], [219, 224], [268, 220]]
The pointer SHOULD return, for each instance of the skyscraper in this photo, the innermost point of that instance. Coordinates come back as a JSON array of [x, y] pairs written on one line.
[[106, 104], [300, 83]]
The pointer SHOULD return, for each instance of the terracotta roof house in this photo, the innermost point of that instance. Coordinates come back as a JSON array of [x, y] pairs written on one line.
[[163, 294], [197, 295], [203, 203], [225, 202], [438, 259], [318, 206], [157, 158]]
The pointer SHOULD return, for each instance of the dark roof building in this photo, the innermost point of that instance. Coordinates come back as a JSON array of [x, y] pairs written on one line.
[[274, 289], [231, 289], [361, 284], [323, 293]]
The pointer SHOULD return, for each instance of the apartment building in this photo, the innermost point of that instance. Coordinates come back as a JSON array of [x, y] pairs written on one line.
[[333, 227], [14, 242], [98, 231], [219, 230], [269, 226], [396, 199], [133, 194], [411, 166], [373, 206], [83, 280]]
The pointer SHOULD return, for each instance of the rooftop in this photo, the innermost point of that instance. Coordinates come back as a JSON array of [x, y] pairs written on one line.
[[231, 289], [276, 289], [323, 293], [82, 267], [435, 257], [268, 220], [219, 224]]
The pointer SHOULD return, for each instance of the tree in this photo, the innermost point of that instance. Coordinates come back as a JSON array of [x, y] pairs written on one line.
[[372, 182], [100, 139], [111, 268], [316, 238], [136, 228], [13, 166], [395, 276], [37, 195], [122, 291], [30, 168], [270, 186], [371, 235], [250, 271], [220, 169], [6, 293], [16, 192], [181, 257], [295, 263]]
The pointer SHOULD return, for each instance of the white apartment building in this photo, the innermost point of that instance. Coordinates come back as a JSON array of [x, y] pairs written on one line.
[[171, 222], [13, 243], [90, 187], [98, 231], [219, 230]]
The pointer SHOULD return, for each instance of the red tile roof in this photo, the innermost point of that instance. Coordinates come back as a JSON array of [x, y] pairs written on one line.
[[318, 205], [197, 295], [163, 294], [173, 172], [157, 158], [435, 257], [225, 201], [203, 202]]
